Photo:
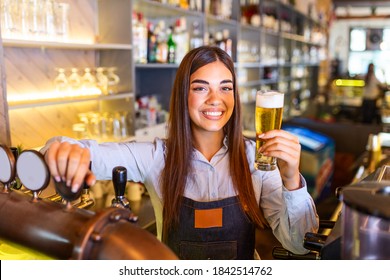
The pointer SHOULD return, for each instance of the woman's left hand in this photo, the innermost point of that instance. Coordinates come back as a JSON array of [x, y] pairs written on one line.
[[287, 149]]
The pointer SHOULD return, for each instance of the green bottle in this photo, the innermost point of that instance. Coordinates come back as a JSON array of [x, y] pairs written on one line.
[[171, 47]]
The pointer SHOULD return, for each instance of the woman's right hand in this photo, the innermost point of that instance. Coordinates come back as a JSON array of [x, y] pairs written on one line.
[[70, 163]]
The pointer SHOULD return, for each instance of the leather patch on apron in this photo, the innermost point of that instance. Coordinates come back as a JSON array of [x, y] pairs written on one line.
[[208, 218]]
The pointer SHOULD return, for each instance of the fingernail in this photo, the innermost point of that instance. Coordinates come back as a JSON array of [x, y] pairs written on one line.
[[261, 135], [75, 187], [68, 183], [57, 179]]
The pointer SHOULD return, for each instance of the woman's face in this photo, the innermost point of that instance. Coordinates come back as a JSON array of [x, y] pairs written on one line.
[[211, 97]]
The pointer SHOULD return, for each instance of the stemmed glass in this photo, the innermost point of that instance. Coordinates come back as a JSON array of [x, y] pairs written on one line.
[[102, 80], [61, 82], [74, 79], [88, 80], [113, 80]]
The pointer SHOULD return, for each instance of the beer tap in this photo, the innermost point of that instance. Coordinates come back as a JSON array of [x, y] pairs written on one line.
[[85, 200], [66, 193], [119, 180], [33, 172], [15, 184], [7, 168]]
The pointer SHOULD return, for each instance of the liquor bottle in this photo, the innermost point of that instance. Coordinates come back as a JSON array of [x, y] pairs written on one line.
[[184, 4], [152, 44], [140, 38], [219, 40], [181, 38], [228, 43], [162, 46], [196, 36], [171, 47], [195, 5]]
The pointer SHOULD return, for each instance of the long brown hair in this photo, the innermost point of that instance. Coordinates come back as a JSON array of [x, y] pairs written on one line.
[[179, 148]]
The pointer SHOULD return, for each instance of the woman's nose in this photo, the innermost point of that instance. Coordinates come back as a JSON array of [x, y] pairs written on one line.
[[213, 97]]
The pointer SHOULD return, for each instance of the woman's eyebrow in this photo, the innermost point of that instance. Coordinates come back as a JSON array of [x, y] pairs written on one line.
[[200, 81], [206, 82]]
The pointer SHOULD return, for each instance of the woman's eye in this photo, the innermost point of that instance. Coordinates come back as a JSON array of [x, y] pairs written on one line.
[[199, 89], [227, 88]]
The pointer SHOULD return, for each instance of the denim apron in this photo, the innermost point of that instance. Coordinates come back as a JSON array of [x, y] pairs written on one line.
[[212, 230]]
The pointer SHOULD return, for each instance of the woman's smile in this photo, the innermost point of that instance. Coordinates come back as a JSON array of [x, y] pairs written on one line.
[[212, 114]]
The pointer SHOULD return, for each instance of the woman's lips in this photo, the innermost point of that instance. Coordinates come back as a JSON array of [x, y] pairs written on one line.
[[212, 115]]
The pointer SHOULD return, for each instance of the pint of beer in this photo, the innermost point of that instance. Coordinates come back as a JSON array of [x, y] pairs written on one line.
[[269, 112]]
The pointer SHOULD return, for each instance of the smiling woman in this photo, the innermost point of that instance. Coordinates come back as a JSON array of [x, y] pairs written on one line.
[[207, 196]]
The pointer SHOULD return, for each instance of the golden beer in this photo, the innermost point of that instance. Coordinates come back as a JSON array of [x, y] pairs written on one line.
[[268, 116]]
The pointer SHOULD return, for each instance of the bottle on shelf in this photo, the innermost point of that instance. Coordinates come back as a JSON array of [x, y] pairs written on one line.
[[162, 44], [220, 8], [140, 38], [171, 47], [250, 12], [222, 40], [181, 38], [195, 5], [152, 44], [184, 4], [219, 40], [227, 42], [196, 36]]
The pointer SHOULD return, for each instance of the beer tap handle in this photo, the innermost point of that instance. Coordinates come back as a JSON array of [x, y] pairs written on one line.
[[66, 193], [119, 180]]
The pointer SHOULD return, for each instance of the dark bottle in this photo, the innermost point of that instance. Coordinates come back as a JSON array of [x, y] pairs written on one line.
[[152, 44]]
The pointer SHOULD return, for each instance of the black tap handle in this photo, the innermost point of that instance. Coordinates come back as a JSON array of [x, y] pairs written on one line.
[[119, 179], [65, 192], [280, 253], [314, 241], [15, 152], [85, 185]]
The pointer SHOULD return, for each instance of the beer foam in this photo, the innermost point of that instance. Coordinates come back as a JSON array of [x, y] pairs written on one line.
[[270, 99]]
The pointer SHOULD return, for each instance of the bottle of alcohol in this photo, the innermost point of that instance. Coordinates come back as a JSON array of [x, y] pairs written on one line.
[[171, 47], [196, 36], [227, 41], [219, 40], [162, 46], [152, 44], [181, 38], [140, 38]]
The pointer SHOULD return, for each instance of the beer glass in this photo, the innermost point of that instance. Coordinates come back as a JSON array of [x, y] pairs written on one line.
[[268, 116]]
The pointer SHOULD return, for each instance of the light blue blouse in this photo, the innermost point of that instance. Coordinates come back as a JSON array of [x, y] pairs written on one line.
[[290, 213]]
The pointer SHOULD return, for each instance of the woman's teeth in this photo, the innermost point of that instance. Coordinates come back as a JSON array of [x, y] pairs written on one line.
[[214, 114]]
